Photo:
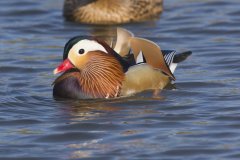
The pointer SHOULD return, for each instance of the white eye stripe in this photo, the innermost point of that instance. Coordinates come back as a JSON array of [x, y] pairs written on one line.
[[87, 45]]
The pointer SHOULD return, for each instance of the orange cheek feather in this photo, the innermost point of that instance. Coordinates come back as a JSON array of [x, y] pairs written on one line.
[[79, 61]]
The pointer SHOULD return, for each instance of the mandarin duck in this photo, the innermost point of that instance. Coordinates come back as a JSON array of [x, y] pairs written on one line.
[[111, 11], [93, 69]]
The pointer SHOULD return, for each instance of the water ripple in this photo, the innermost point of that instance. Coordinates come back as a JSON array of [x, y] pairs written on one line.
[[196, 118]]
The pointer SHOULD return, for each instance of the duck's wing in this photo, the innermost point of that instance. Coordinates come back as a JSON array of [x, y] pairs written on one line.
[[147, 51], [122, 46]]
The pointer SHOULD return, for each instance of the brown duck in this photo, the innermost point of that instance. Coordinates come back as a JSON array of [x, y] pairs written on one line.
[[111, 11], [92, 69]]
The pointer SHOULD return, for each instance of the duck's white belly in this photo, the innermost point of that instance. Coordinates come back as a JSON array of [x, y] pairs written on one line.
[[143, 77]]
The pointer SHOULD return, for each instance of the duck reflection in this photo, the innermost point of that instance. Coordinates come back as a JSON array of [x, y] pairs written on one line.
[[90, 109], [105, 109]]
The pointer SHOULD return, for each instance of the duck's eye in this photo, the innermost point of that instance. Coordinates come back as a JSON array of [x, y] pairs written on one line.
[[81, 51]]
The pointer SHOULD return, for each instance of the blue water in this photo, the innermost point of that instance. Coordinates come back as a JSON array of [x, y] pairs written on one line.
[[200, 120]]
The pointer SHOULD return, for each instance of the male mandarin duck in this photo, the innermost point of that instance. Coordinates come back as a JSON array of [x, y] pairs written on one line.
[[111, 11], [93, 69]]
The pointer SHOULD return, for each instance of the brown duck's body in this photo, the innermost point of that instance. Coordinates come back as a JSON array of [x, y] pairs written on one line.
[[111, 11]]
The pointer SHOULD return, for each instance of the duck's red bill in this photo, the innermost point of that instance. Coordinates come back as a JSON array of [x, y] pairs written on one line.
[[64, 66]]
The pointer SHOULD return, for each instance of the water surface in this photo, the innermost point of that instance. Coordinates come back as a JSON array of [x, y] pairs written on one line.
[[198, 120]]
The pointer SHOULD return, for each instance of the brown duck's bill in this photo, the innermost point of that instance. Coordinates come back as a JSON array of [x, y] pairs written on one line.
[[64, 66]]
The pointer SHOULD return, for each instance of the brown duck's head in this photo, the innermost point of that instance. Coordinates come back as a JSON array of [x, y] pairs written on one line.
[[99, 69]]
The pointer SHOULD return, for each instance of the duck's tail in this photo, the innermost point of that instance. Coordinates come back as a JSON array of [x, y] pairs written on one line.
[[172, 59]]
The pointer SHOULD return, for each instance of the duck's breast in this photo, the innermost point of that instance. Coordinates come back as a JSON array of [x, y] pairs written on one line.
[[69, 88]]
